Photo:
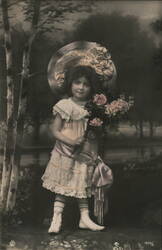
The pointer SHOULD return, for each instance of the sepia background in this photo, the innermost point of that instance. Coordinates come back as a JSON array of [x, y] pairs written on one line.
[[132, 33]]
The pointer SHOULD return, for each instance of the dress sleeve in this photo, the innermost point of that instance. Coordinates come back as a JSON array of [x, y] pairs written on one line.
[[64, 108]]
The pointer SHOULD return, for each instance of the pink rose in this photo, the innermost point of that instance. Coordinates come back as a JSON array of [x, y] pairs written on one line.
[[96, 122], [117, 106], [100, 99]]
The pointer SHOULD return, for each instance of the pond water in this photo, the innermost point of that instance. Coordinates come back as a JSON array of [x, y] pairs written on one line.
[[112, 155]]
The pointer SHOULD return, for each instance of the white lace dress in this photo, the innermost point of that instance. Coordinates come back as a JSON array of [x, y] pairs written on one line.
[[65, 175]]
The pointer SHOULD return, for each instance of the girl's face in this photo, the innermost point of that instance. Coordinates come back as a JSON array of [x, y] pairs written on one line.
[[81, 89]]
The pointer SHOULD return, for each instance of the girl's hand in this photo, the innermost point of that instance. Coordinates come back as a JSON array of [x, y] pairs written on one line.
[[78, 141]]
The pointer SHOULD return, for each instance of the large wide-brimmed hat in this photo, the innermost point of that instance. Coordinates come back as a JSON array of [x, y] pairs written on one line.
[[81, 53]]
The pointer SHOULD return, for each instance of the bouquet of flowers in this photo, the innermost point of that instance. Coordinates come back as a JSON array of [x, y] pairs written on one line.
[[102, 113]]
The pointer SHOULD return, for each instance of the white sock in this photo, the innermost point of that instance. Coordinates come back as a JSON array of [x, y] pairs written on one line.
[[86, 222], [57, 217]]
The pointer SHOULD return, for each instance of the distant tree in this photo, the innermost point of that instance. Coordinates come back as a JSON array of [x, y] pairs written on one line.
[[157, 26], [7, 165], [157, 67]]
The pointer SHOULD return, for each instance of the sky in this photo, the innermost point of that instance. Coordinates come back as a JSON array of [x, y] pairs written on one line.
[[144, 10]]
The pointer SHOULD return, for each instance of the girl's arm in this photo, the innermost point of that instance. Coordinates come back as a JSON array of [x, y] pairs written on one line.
[[57, 125]]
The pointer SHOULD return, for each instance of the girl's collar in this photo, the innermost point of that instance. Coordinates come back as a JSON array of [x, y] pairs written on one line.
[[79, 103]]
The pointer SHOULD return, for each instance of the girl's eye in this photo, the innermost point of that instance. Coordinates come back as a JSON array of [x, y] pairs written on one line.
[[86, 85]]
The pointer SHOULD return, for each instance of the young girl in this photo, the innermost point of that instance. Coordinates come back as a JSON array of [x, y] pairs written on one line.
[[66, 175]]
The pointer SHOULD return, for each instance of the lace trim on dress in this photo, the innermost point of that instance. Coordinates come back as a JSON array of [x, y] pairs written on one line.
[[63, 113], [69, 110], [67, 192]]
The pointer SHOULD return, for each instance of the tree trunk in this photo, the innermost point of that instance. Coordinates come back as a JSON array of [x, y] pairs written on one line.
[[136, 127], [11, 199], [3, 86], [141, 129], [8, 145], [16, 157], [151, 132], [36, 163], [18, 136], [36, 140]]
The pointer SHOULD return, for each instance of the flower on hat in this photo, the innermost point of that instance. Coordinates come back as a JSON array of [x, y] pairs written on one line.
[[97, 57]]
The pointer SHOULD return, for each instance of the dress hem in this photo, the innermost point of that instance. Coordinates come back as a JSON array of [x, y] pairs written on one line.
[[60, 190]]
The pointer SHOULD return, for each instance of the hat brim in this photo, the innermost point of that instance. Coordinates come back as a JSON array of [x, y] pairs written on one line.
[[73, 54]]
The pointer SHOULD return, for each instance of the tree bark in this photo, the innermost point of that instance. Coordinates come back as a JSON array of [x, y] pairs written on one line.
[[141, 129], [151, 132], [8, 145], [36, 140], [11, 199]]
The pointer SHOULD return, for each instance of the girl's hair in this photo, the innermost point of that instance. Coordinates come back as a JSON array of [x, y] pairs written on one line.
[[89, 73]]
